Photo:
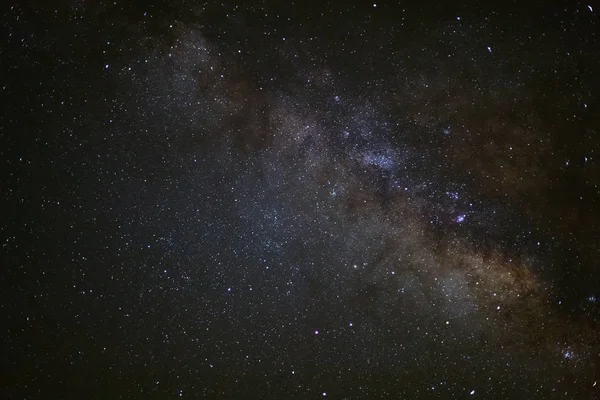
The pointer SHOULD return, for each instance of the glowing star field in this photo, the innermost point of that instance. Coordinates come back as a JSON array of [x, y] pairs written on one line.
[[300, 200]]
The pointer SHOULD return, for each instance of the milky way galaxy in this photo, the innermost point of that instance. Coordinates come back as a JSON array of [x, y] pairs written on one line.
[[349, 201]]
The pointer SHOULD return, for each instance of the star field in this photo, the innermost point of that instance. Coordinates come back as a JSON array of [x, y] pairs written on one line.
[[300, 200]]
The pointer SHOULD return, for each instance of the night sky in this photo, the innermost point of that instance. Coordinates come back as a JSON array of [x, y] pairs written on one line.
[[307, 200]]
